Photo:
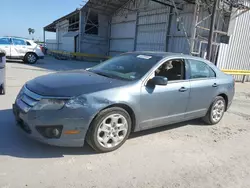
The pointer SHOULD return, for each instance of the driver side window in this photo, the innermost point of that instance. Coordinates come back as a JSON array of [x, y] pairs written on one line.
[[172, 69]]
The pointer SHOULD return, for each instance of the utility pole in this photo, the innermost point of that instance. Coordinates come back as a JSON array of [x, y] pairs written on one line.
[[211, 31]]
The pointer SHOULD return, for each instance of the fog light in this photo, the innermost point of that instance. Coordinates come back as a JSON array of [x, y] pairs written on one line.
[[55, 132], [50, 131]]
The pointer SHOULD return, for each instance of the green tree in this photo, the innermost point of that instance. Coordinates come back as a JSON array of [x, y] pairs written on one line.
[[31, 31]]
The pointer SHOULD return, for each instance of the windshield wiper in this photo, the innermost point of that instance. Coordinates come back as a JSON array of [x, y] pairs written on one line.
[[108, 75], [103, 74]]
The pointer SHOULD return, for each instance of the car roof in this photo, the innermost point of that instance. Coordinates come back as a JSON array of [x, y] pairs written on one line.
[[23, 38], [166, 54]]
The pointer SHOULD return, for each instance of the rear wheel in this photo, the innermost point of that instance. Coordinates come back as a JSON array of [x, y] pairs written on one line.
[[216, 111], [30, 58], [109, 130]]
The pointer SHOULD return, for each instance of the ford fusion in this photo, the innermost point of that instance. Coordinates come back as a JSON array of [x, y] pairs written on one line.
[[131, 92]]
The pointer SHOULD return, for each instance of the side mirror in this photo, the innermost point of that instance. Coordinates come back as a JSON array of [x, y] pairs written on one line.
[[159, 80]]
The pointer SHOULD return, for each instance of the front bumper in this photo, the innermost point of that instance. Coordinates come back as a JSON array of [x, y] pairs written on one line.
[[29, 121]]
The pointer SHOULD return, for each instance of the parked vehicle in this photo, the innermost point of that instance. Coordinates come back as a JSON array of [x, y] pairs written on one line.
[[131, 92], [2, 73], [20, 48]]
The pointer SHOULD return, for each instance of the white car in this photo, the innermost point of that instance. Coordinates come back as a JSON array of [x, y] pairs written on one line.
[[20, 48]]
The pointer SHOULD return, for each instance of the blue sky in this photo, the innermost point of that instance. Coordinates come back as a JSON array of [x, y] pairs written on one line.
[[18, 15]]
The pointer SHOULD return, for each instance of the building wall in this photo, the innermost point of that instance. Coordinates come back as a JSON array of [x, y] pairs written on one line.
[[51, 44], [236, 54], [95, 44], [153, 28], [62, 29], [122, 34], [156, 28], [92, 44], [145, 29], [67, 44]]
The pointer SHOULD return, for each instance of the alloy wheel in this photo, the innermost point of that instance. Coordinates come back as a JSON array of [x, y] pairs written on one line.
[[112, 130], [31, 58], [218, 110]]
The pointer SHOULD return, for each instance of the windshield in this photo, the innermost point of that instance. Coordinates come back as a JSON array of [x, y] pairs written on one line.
[[127, 66]]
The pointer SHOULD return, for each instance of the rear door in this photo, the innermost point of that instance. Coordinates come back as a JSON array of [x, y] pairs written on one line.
[[203, 88], [5, 45], [19, 48]]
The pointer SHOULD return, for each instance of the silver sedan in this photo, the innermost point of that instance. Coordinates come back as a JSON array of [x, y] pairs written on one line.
[[131, 92]]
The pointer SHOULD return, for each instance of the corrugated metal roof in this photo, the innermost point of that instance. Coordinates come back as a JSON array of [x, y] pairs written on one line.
[[107, 7]]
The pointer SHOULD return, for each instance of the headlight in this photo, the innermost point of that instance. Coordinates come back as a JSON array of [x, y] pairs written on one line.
[[49, 104]]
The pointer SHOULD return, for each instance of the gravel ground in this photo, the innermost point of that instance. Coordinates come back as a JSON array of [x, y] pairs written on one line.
[[189, 154]]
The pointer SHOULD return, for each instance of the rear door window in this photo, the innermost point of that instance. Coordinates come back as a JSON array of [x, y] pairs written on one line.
[[200, 69], [18, 41]]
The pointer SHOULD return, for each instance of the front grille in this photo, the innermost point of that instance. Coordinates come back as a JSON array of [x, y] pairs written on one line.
[[27, 99]]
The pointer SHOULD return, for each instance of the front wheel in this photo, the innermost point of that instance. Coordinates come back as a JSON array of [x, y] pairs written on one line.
[[30, 58], [109, 130], [216, 111]]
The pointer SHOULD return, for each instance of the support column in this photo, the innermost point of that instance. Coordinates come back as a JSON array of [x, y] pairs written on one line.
[[80, 31], [211, 31], [169, 28], [136, 30]]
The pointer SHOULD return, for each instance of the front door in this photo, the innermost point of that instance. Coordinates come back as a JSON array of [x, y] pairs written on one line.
[[204, 87], [162, 105], [5, 45]]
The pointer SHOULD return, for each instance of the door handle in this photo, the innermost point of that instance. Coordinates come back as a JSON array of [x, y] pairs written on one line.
[[182, 89], [215, 85]]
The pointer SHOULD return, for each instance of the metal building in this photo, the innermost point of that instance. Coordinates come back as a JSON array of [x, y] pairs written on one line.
[[111, 27], [80, 31]]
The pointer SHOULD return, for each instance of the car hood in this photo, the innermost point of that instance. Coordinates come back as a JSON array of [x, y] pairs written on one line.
[[71, 83]]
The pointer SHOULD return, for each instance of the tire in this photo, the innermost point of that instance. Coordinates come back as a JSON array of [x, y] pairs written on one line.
[[2, 89], [97, 138], [30, 58], [209, 118]]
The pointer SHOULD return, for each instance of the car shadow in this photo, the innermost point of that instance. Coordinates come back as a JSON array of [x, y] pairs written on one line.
[[14, 143], [196, 122], [14, 61]]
